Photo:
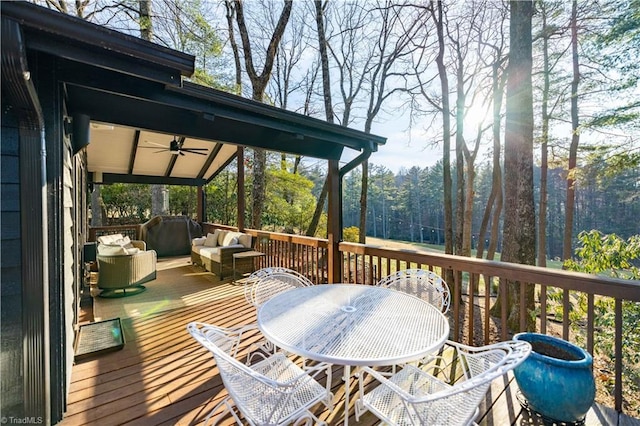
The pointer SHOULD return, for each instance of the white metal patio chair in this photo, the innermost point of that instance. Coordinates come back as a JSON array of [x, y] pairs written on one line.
[[265, 272], [274, 391], [265, 283], [274, 282], [413, 396], [424, 284]]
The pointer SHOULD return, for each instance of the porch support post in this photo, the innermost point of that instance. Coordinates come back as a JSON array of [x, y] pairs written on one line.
[[334, 231], [241, 195], [200, 206]]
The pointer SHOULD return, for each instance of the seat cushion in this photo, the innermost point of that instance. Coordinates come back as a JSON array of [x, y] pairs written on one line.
[[212, 253]]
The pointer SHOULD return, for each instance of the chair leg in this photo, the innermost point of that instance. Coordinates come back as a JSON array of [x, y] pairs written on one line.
[[228, 408]]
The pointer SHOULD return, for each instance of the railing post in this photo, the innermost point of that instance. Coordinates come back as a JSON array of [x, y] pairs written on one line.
[[241, 193], [334, 233]]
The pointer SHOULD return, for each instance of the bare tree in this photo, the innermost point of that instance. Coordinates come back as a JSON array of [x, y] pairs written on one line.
[[495, 40], [320, 9], [352, 54], [259, 81], [230, 17], [575, 138], [385, 76], [548, 33], [159, 193], [435, 13], [465, 34]]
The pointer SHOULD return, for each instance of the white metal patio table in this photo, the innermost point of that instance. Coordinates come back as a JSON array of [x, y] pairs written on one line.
[[353, 325]]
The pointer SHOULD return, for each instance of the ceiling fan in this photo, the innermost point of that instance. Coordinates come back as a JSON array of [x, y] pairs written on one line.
[[175, 148]]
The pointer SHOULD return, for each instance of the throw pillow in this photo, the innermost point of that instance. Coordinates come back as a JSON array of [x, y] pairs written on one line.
[[109, 239], [112, 250], [124, 242], [230, 238], [221, 235], [211, 241], [245, 240]]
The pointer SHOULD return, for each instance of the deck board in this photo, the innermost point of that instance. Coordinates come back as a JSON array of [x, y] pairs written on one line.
[[163, 377]]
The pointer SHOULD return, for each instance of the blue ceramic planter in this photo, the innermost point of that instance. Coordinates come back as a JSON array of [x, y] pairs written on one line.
[[557, 388]]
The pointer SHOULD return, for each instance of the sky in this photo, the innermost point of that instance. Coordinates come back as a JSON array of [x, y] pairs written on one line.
[[403, 150]]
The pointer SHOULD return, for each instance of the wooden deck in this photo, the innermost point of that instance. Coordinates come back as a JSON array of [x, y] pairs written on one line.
[[163, 377]]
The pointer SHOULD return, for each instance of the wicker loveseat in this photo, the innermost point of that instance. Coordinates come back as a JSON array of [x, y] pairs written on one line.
[[214, 252], [123, 266]]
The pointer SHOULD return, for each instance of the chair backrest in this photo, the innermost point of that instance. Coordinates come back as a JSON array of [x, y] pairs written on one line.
[[240, 380], [264, 400], [424, 284], [269, 282], [458, 404]]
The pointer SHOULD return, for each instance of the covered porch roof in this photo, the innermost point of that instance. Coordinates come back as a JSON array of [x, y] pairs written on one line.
[[127, 102]]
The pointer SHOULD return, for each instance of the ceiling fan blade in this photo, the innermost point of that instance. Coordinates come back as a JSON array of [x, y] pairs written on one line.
[[180, 152], [194, 151], [162, 150], [156, 144]]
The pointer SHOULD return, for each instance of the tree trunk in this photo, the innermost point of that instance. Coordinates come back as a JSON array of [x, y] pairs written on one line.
[[519, 219], [544, 144], [575, 139], [324, 60], [494, 202], [234, 46], [259, 84], [159, 193], [315, 220], [362, 235], [446, 130], [159, 200], [97, 207], [460, 246], [328, 109]]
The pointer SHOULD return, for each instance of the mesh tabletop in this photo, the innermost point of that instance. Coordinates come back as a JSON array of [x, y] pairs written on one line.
[[352, 324]]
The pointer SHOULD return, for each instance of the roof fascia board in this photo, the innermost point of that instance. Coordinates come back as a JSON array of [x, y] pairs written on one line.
[[119, 64], [238, 102], [210, 103], [70, 30]]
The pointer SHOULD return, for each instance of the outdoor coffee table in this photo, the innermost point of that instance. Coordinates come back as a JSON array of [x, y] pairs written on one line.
[[353, 325]]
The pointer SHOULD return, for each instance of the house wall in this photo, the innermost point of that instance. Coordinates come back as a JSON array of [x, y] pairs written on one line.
[[41, 239], [11, 349], [61, 237]]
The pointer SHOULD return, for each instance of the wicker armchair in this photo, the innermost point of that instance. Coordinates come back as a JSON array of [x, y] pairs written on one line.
[[122, 275], [273, 391], [445, 391]]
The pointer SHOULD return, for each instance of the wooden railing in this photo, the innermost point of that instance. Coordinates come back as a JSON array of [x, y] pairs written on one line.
[[306, 255], [481, 278], [131, 231], [472, 323]]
